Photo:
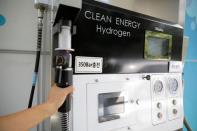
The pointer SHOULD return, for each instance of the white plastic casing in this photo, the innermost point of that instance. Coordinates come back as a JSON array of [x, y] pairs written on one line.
[[146, 109], [65, 38], [143, 112]]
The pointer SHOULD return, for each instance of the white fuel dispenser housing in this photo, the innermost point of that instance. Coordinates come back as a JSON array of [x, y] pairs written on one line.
[[127, 77]]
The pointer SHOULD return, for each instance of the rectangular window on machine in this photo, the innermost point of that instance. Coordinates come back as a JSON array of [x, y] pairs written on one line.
[[158, 46], [111, 105]]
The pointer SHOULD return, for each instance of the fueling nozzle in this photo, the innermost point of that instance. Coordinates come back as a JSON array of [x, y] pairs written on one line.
[[63, 66], [63, 75], [63, 60]]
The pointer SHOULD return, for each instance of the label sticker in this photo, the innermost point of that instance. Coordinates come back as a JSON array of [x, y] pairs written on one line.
[[175, 66], [88, 64]]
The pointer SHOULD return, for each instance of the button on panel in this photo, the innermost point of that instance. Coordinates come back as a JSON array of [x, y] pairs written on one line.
[[174, 108], [159, 115], [158, 112], [175, 111], [174, 102], [159, 105]]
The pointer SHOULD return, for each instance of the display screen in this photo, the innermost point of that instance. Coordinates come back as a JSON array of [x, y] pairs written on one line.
[[158, 45]]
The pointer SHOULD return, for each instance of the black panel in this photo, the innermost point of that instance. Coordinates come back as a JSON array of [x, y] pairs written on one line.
[[122, 54], [66, 12]]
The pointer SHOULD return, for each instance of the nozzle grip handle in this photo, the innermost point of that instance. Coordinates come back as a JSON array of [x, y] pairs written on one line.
[[63, 79], [66, 106]]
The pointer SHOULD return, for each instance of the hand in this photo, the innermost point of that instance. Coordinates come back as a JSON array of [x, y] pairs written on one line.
[[57, 96]]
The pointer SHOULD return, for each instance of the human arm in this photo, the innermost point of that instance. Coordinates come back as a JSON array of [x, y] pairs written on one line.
[[24, 120]]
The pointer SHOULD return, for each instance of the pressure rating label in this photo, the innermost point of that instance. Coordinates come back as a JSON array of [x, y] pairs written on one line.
[[88, 64]]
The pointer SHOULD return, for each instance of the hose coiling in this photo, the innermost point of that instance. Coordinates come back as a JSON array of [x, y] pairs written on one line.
[[39, 38], [65, 122]]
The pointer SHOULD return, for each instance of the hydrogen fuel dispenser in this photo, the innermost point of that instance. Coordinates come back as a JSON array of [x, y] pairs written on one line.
[[126, 68]]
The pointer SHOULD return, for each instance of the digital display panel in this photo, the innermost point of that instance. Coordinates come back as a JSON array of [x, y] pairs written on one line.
[[157, 46]]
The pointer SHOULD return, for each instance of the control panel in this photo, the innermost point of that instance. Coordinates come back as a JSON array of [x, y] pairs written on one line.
[[166, 102], [128, 102]]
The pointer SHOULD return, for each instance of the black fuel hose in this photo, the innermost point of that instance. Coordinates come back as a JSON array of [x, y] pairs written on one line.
[[187, 126], [38, 51]]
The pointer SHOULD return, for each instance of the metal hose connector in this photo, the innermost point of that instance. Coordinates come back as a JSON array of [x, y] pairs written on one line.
[[40, 26]]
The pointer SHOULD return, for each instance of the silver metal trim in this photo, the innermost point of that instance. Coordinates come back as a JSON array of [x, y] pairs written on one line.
[[101, 113]]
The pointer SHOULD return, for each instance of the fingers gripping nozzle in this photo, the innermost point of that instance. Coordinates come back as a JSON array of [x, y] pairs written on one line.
[[63, 79], [63, 75]]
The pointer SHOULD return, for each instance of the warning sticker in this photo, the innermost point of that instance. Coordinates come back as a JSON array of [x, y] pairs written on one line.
[[88, 64]]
